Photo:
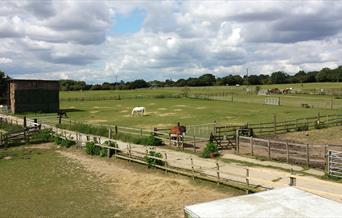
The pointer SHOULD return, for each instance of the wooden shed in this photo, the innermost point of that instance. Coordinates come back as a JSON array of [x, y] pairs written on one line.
[[33, 96]]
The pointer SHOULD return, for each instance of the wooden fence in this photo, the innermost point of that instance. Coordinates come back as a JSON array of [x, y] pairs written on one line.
[[212, 172], [279, 127], [335, 163], [303, 154]]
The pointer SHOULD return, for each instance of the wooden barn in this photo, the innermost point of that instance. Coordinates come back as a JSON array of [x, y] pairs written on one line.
[[33, 96]]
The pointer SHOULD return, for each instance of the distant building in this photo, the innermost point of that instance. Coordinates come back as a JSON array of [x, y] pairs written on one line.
[[33, 96]]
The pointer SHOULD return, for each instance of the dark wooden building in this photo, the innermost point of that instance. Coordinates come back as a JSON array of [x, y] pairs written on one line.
[[33, 96]]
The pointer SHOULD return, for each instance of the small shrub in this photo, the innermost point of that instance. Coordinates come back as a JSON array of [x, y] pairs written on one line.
[[57, 140], [151, 161], [303, 127], [210, 148], [91, 149], [42, 136], [320, 125], [150, 140], [67, 143]]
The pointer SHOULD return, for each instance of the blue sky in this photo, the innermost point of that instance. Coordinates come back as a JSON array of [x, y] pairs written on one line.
[[128, 23], [92, 40]]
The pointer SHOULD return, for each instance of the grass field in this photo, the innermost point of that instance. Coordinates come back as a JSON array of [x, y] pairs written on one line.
[[40, 182], [163, 110]]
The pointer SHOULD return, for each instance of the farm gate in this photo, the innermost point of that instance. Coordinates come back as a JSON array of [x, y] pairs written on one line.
[[335, 163]]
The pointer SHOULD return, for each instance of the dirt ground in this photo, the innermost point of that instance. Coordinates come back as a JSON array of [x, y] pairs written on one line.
[[331, 136], [151, 191]]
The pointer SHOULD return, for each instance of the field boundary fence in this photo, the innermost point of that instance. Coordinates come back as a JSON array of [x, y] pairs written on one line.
[[279, 127], [284, 151], [335, 163]]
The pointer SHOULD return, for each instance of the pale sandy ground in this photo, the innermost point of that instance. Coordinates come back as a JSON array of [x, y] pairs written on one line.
[[162, 194]]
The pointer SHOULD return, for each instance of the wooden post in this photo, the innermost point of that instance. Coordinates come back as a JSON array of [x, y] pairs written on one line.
[[259, 128], [278, 101], [292, 181], [325, 158], [166, 166], [110, 133], [269, 149], [194, 143], [237, 142], [218, 172], [0, 138], [129, 151], [108, 152], [287, 152], [318, 117], [275, 123], [232, 97], [116, 129], [307, 155], [141, 132], [252, 147], [247, 176], [331, 104], [25, 124], [192, 168]]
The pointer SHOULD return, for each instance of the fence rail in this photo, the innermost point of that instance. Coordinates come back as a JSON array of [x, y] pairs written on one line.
[[310, 155], [335, 163]]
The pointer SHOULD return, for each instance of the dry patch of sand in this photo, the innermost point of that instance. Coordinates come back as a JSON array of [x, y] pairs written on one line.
[[180, 105], [178, 110], [124, 111], [201, 108], [152, 103], [166, 114], [162, 195], [98, 121], [94, 112], [162, 109]]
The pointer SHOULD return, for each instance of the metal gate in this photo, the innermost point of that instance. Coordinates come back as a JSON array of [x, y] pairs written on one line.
[[335, 163]]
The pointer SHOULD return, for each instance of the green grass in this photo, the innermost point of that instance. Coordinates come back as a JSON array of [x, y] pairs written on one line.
[[41, 183], [167, 112]]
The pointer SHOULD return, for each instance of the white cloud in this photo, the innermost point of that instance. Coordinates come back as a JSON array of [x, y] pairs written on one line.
[[6, 61], [73, 39]]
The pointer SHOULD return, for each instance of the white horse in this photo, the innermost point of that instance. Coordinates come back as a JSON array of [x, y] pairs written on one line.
[[138, 110]]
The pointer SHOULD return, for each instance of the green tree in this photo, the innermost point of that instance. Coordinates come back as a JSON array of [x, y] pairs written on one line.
[[279, 77]]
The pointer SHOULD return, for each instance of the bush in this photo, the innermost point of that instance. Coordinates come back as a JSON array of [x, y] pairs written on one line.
[[151, 161], [320, 125], [42, 136], [63, 142], [150, 140], [91, 149], [210, 148], [67, 143], [303, 127]]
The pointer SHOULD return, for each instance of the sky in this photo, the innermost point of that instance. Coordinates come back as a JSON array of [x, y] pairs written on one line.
[[104, 41]]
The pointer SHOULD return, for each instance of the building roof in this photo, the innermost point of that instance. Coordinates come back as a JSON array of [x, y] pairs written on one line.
[[283, 202]]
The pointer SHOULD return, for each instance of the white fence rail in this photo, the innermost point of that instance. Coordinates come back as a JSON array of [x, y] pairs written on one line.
[[335, 163]]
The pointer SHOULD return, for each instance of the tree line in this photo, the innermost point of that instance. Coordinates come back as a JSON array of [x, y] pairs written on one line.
[[279, 77]]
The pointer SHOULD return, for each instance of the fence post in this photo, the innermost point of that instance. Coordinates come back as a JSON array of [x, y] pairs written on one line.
[[25, 121], [325, 157], [331, 104], [269, 149], [247, 176], [0, 138], [318, 117], [165, 155], [110, 133], [194, 143], [192, 168], [307, 155], [116, 129], [218, 172], [287, 152], [237, 142], [275, 123], [251, 143]]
